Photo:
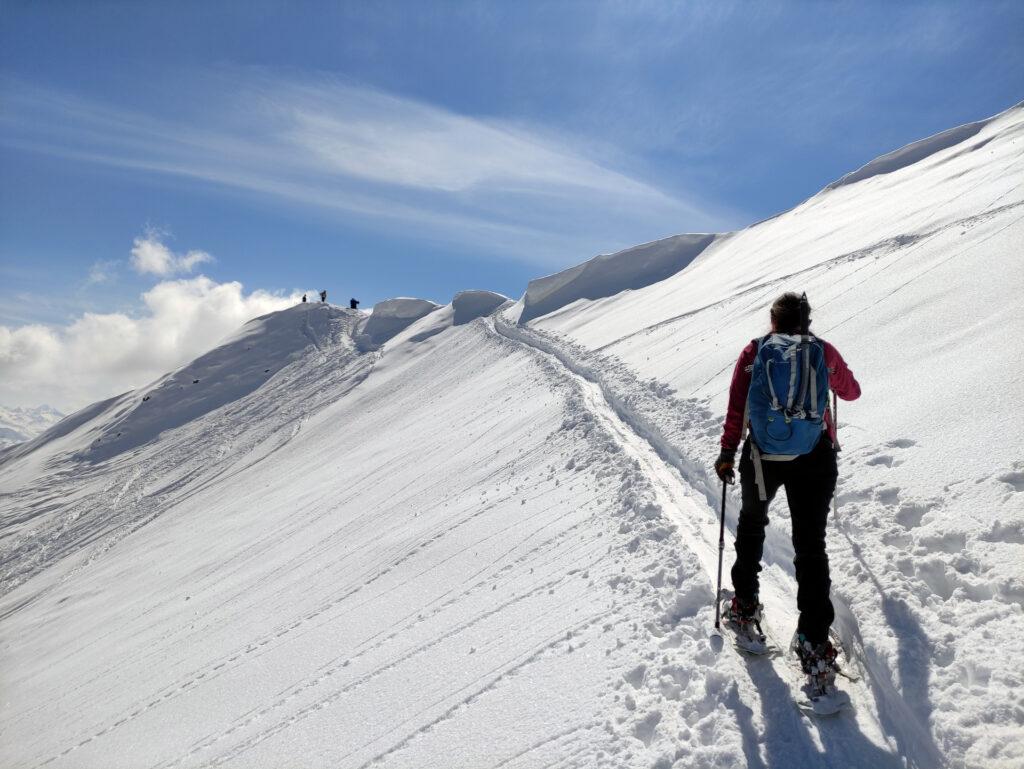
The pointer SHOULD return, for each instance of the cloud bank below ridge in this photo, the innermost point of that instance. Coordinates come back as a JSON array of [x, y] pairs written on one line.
[[101, 354]]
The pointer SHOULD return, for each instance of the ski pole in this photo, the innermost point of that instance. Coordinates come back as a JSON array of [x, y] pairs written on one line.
[[721, 548], [835, 416]]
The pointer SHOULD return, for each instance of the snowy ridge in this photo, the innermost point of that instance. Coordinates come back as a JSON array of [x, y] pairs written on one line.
[[391, 317], [927, 548], [916, 152], [470, 305], [527, 544], [609, 274], [484, 534], [144, 446]]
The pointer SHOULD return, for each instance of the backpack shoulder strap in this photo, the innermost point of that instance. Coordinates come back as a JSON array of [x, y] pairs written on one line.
[[757, 348]]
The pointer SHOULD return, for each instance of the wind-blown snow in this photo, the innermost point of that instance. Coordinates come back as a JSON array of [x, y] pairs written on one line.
[[485, 534], [610, 274], [915, 153], [470, 305], [390, 317]]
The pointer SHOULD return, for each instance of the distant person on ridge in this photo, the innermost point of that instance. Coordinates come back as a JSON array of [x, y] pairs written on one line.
[[791, 443], [323, 296], [353, 304], [303, 298]]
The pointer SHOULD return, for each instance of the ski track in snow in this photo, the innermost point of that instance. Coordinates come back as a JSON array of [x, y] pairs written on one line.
[[926, 542], [648, 714], [436, 541], [685, 506], [278, 715]]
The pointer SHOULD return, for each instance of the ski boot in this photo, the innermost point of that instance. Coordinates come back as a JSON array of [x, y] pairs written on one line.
[[744, 618]]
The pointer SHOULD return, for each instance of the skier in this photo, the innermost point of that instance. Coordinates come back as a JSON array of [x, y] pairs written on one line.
[[353, 304], [303, 298], [323, 296], [791, 444]]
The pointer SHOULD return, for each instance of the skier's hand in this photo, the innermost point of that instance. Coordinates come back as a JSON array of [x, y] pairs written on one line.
[[724, 465]]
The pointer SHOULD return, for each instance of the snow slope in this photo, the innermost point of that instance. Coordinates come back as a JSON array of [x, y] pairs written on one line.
[[390, 317], [915, 274], [610, 274], [470, 305], [485, 535]]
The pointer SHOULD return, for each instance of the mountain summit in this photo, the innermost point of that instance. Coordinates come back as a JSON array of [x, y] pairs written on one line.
[[485, 533]]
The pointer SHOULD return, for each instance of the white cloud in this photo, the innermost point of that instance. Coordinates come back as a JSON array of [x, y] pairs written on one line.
[[379, 160], [99, 355], [102, 271], [150, 255]]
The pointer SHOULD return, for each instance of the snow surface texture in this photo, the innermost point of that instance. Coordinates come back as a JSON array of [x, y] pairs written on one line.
[[470, 305], [20, 424], [445, 540], [916, 276], [390, 317], [610, 274], [912, 153]]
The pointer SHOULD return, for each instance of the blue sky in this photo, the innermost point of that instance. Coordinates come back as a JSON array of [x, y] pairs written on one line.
[[411, 148]]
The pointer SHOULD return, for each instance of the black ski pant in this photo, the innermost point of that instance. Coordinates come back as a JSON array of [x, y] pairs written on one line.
[[810, 481]]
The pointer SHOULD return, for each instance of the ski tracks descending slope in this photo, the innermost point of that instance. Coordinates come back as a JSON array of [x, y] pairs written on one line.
[[778, 735], [376, 601]]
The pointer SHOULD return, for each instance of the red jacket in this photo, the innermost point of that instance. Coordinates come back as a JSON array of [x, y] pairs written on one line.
[[840, 380]]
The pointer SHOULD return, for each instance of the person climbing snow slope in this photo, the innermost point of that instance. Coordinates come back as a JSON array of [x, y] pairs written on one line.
[[780, 394]]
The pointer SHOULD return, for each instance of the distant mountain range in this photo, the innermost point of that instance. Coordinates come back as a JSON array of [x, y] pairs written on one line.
[[22, 424]]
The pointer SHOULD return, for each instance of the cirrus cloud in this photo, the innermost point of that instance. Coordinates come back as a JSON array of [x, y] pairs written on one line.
[[499, 187]]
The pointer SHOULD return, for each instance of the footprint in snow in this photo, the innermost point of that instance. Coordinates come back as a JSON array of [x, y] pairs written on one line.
[[881, 459], [901, 443], [1014, 480], [910, 514]]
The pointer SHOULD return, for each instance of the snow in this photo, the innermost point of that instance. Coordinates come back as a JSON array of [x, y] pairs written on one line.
[[21, 423], [609, 274], [485, 533], [915, 276], [390, 317], [916, 152], [470, 305]]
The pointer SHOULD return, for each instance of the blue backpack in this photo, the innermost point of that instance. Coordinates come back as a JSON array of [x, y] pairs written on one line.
[[788, 395]]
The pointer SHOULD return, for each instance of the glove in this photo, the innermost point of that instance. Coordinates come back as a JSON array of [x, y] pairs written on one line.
[[724, 465]]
